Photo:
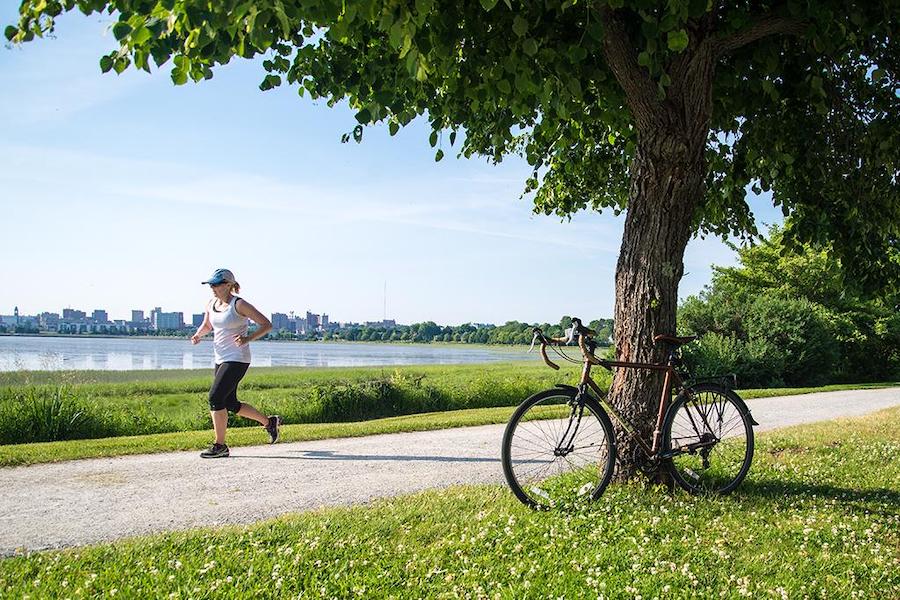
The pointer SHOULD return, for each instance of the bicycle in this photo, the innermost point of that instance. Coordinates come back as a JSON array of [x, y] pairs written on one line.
[[559, 446]]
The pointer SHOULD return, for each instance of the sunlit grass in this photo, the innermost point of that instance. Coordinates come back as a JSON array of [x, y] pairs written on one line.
[[816, 518]]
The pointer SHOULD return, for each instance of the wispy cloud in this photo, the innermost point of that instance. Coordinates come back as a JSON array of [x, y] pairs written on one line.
[[164, 181]]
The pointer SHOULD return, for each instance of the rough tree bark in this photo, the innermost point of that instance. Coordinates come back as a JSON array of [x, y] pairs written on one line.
[[668, 176]]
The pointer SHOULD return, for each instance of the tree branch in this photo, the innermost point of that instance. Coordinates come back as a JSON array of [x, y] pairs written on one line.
[[622, 60], [766, 26]]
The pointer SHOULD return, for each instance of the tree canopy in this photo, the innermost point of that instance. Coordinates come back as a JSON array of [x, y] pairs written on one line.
[[804, 94]]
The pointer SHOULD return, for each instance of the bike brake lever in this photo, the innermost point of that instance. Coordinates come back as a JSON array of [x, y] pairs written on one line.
[[570, 335], [533, 340]]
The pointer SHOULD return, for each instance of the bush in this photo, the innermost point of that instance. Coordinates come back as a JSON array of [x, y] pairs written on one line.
[[55, 413], [798, 331]]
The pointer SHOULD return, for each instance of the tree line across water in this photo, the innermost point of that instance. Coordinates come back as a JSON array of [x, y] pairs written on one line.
[[512, 332]]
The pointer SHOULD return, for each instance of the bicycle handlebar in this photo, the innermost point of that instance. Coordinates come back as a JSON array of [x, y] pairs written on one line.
[[577, 328]]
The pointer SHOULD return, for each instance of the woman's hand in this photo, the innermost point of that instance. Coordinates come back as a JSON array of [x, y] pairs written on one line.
[[241, 340], [195, 339]]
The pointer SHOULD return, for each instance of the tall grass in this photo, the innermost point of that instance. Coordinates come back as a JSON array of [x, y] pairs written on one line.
[[50, 414], [60, 409]]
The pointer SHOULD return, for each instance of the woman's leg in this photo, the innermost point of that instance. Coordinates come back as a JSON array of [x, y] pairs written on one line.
[[248, 412], [220, 424], [223, 395]]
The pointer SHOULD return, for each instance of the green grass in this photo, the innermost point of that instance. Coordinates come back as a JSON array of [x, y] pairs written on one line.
[[36, 453], [110, 404], [816, 518]]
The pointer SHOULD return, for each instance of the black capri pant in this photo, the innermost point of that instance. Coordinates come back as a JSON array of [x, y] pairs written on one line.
[[223, 393]]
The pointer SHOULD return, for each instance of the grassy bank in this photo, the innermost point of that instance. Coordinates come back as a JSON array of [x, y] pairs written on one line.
[[36, 453], [816, 518], [87, 405]]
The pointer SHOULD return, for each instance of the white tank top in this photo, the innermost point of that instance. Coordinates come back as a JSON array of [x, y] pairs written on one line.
[[227, 324]]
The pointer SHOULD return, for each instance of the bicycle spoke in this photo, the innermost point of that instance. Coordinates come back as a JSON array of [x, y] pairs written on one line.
[[711, 442], [557, 460]]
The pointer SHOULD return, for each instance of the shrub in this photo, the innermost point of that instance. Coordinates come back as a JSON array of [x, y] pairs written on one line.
[[794, 336]]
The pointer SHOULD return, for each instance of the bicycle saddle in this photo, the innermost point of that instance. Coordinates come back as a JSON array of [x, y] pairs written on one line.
[[671, 339]]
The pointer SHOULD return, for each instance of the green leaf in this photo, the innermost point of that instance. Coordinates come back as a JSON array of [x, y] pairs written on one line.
[[393, 127], [423, 7], [106, 64], [120, 30], [10, 32], [140, 35], [644, 59], [504, 87], [452, 137], [520, 26], [179, 77], [611, 138], [433, 139], [488, 4], [364, 116], [677, 40], [438, 155], [530, 47], [697, 8]]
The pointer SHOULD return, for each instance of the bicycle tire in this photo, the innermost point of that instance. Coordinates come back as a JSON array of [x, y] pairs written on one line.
[[541, 478], [708, 437]]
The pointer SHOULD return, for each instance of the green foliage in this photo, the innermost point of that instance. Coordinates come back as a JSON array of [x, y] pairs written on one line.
[[511, 332], [31, 412], [804, 94], [816, 517], [792, 315], [55, 413]]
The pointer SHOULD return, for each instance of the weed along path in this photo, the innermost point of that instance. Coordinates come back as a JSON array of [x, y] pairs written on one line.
[[87, 501]]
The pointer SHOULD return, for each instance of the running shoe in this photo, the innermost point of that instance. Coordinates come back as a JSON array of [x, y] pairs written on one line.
[[273, 428], [215, 451]]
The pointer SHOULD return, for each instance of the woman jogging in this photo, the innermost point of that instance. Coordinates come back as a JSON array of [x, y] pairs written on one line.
[[226, 316]]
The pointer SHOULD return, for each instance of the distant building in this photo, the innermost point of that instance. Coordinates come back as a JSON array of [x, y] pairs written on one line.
[[312, 321], [281, 322], [169, 321], [100, 316], [49, 321], [324, 321], [153, 316], [137, 316], [73, 315], [197, 320]]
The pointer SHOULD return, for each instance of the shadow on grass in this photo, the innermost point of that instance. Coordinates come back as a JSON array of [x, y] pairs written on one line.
[[775, 489]]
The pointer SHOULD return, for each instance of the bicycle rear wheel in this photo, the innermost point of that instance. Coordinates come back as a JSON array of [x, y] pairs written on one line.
[[708, 432], [557, 451]]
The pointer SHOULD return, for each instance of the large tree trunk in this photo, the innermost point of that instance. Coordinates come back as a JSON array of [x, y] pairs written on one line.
[[668, 176], [667, 181]]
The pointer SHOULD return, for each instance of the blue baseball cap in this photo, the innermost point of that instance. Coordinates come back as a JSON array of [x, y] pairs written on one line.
[[220, 276]]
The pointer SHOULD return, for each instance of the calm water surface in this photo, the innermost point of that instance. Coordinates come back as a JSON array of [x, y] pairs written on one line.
[[116, 354]]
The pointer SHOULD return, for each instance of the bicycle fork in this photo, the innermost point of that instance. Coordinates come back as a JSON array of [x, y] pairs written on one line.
[[566, 442]]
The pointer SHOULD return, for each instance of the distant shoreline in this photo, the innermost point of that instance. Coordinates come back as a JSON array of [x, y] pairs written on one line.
[[92, 336]]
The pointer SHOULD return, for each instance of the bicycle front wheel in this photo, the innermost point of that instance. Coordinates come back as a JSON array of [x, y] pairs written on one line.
[[558, 451], [709, 436]]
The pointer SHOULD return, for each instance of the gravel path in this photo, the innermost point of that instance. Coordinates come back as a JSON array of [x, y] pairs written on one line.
[[96, 500]]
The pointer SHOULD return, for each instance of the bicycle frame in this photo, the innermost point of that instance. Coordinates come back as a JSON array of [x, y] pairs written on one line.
[[672, 379]]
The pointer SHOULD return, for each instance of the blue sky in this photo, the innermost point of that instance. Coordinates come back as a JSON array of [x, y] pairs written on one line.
[[122, 192]]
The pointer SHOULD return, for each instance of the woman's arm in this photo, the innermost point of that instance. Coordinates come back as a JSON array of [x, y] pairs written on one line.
[[204, 328], [264, 326]]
